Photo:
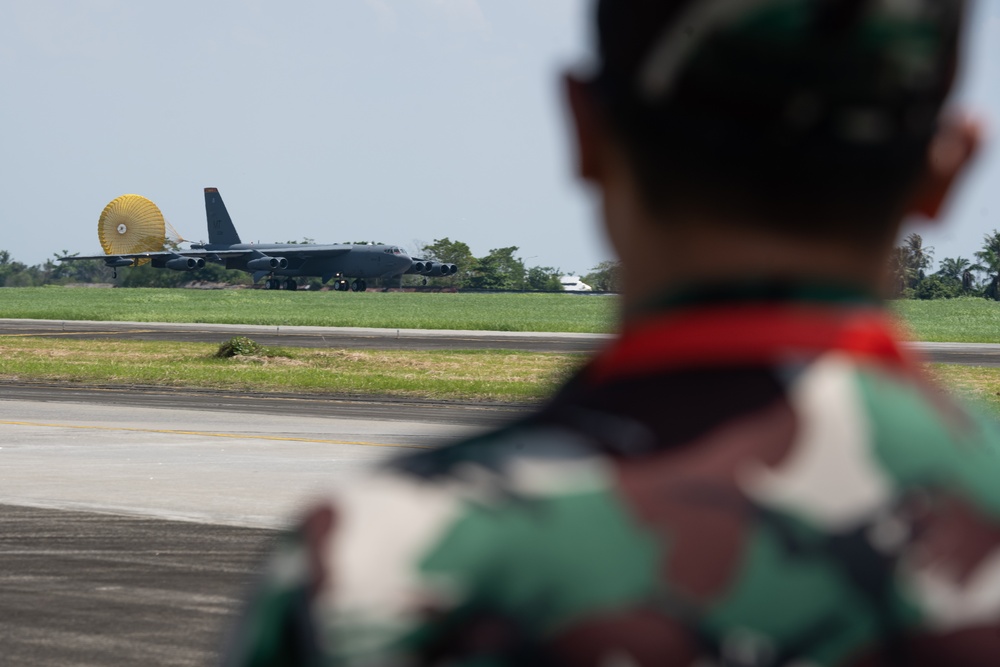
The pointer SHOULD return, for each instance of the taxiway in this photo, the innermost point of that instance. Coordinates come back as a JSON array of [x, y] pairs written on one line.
[[970, 354]]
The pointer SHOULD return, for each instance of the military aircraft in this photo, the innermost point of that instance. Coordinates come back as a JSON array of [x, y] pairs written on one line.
[[280, 263]]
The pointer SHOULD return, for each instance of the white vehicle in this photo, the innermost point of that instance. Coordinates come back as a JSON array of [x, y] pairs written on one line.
[[574, 284]]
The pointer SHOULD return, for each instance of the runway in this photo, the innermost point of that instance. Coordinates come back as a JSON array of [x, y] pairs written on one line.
[[969, 354], [330, 337], [214, 464], [100, 590], [132, 523]]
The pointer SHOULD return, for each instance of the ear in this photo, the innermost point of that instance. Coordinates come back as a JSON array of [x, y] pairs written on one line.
[[951, 152], [587, 128]]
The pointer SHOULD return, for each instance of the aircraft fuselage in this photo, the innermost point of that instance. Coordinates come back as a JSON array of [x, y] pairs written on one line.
[[356, 261]]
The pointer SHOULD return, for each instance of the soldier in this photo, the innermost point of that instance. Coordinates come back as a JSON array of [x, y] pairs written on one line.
[[754, 472]]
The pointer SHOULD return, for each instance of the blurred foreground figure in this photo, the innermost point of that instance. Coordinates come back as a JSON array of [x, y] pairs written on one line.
[[754, 473]]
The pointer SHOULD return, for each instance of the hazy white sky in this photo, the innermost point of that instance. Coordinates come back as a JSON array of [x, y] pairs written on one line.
[[394, 120], [975, 208]]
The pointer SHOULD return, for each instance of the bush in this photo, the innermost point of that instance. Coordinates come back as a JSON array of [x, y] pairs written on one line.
[[938, 287], [240, 346]]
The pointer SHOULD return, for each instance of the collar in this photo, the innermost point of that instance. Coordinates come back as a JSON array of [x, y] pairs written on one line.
[[754, 324]]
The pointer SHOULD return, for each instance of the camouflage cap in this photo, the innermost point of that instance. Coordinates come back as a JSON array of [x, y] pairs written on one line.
[[865, 73]]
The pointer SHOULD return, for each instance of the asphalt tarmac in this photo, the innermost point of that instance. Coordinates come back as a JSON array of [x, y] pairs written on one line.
[[969, 354], [87, 589], [296, 405], [132, 522], [329, 337]]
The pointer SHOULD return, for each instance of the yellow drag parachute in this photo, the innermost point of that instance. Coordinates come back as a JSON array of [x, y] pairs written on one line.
[[131, 224]]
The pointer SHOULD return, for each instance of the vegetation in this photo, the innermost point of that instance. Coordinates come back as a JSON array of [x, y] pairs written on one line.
[[241, 346], [398, 310], [483, 376], [955, 277], [605, 277]]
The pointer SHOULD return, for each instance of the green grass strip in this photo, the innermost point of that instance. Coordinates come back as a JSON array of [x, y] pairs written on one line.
[[965, 320], [395, 310], [970, 320]]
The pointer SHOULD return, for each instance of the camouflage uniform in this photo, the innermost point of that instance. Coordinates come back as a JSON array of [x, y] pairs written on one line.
[[757, 479]]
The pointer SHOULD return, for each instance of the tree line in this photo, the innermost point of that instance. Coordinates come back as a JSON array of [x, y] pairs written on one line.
[[500, 269], [911, 261]]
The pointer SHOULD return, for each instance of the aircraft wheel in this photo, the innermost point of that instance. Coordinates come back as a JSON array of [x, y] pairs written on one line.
[[355, 286], [291, 285], [362, 285], [268, 284]]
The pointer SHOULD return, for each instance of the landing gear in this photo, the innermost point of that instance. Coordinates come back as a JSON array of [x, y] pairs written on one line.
[[278, 283], [357, 285]]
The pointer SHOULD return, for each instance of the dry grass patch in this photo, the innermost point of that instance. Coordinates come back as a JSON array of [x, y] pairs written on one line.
[[461, 375], [978, 383]]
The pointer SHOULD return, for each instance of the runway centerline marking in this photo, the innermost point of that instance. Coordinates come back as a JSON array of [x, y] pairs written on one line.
[[209, 434]]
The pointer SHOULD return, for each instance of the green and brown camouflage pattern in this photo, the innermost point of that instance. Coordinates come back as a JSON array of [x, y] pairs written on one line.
[[810, 499]]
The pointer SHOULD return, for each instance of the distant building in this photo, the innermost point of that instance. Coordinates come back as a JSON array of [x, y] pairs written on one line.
[[574, 284]]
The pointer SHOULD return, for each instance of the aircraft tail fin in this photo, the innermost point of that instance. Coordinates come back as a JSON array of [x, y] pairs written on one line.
[[220, 226]]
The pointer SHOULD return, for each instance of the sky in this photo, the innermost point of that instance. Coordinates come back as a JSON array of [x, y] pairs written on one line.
[[401, 121], [974, 208]]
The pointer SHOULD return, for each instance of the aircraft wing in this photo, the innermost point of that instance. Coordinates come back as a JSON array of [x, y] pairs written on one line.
[[290, 250], [161, 253]]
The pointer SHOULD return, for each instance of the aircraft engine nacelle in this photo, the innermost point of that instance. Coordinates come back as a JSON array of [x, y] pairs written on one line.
[[442, 269], [267, 264], [426, 267], [185, 263], [118, 261]]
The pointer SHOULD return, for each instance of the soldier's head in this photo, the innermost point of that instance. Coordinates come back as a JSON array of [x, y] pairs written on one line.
[[809, 119]]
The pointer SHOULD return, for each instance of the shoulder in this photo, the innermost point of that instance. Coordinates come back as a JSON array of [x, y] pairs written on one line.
[[487, 524]]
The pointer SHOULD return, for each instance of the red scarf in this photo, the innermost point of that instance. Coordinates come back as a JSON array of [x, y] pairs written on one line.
[[748, 334]]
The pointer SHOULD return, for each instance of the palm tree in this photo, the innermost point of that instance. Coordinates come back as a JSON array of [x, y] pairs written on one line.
[[920, 256], [958, 270], [908, 261], [953, 267], [989, 263]]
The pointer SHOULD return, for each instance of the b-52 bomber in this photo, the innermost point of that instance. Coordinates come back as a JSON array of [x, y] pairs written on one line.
[[131, 230]]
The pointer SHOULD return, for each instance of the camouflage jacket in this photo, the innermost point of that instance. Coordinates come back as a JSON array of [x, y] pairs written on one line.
[[771, 482]]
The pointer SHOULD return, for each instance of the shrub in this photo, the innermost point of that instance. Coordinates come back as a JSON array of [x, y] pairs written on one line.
[[240, 346]]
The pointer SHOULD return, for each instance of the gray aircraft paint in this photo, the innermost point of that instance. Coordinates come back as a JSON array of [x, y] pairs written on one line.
[[288, 260], [221, 230]]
